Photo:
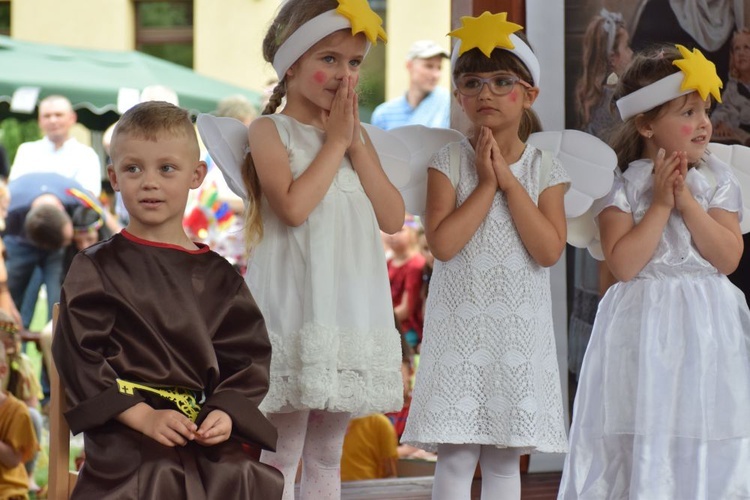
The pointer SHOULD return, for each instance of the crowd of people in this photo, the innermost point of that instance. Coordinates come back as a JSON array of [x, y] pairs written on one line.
[[305, 330]]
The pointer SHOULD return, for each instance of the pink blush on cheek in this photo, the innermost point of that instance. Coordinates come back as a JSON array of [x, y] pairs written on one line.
[[319, 77], [686, 130], [513, 96]]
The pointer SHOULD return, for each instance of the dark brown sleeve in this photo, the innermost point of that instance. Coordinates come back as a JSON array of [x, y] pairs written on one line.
[[80, 348], [244, 354]]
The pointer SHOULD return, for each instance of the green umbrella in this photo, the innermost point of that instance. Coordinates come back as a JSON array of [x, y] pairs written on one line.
[[93, 79]]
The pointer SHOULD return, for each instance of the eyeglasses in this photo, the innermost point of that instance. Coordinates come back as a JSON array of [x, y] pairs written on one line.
[[470, 85]]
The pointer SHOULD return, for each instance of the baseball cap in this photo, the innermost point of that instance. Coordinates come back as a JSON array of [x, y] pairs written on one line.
[[424, 49]]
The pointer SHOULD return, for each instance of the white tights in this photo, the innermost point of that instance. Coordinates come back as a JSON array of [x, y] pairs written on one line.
[[455, 471], [317, 437]]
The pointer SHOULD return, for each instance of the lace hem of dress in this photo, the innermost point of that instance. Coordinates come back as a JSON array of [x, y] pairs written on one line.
[[335, 369]]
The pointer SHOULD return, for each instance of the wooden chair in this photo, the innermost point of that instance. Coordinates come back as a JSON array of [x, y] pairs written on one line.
[[61, 479]]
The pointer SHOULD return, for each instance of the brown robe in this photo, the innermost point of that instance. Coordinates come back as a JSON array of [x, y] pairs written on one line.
[[158, 314]]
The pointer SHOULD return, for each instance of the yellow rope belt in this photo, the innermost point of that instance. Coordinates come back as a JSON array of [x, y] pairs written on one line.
[[184, 399]]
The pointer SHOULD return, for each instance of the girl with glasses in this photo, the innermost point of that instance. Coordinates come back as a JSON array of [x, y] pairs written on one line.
[[487, 388]]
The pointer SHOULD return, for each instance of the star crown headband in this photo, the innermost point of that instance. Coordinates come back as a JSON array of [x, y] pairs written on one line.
[[354, 14], [490, 31], [697, 74]]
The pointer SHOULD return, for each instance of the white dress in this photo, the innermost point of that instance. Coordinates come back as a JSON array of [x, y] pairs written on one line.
[[663, 404], [324, 293], [488, 371]]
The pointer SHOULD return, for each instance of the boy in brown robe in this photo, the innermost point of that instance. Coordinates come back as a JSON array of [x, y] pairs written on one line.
[[160, 346]]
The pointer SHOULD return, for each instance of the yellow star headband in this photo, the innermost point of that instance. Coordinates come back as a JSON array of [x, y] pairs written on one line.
[[354, 14], [697, 74], [490, 31]]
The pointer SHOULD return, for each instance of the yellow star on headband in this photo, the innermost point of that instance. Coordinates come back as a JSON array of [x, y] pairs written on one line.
[[700, 74], [485, 32], [363, 19]]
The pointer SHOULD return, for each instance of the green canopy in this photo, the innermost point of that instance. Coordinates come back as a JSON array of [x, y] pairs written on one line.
[[93, 79]]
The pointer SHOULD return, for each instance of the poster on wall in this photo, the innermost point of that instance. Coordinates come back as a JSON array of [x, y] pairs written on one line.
[[601, 35]]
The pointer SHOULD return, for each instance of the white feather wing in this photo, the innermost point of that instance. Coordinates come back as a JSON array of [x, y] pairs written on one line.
[[405, 154], [738, 157], [591, 164], [226, 142]]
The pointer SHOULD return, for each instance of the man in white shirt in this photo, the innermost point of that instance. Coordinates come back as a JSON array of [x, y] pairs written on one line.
[[57, 152]]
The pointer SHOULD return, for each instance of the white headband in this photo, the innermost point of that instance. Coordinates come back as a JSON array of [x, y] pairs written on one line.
[[306, 36], [520, 50], [650, 96]]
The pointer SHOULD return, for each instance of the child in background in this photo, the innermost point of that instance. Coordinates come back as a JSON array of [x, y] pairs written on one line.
[[731, 118], [18, 442], [662, 405], [487, 387], [405, 268], [318, 199], [606, 54], [369, 450], [160, 346], [21, 381]]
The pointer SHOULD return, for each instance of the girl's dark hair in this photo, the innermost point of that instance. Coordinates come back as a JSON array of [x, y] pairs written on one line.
[[474, 61], [291, 15], [646, 68]]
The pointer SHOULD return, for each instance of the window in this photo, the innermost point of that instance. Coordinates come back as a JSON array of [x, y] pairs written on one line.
[[165, 30], [5, 17]]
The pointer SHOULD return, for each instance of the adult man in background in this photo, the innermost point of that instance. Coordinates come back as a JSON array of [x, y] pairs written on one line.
[[58, 152], [38, 228], [424, 103]]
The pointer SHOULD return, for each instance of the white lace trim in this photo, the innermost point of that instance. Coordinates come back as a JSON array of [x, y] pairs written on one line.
[[335, 369]]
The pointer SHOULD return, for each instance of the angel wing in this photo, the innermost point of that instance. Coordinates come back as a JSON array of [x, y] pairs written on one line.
[[591, 164], [738, 157], [226, 141], [405, 154]]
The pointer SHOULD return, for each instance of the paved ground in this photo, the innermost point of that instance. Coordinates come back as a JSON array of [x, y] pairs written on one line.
[[542, 486]]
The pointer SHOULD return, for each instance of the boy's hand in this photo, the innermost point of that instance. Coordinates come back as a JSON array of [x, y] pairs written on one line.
[[215, 429], [170, 428]]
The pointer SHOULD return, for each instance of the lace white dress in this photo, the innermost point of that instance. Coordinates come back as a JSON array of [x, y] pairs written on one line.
[[663, 404], [488, 371], [324, 293]]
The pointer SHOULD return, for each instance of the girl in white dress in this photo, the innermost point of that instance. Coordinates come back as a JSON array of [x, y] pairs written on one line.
[[488, 388], [663, 405], [318, 199]]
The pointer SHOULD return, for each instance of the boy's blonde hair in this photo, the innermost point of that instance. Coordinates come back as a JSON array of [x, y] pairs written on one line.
[[153, 119]]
